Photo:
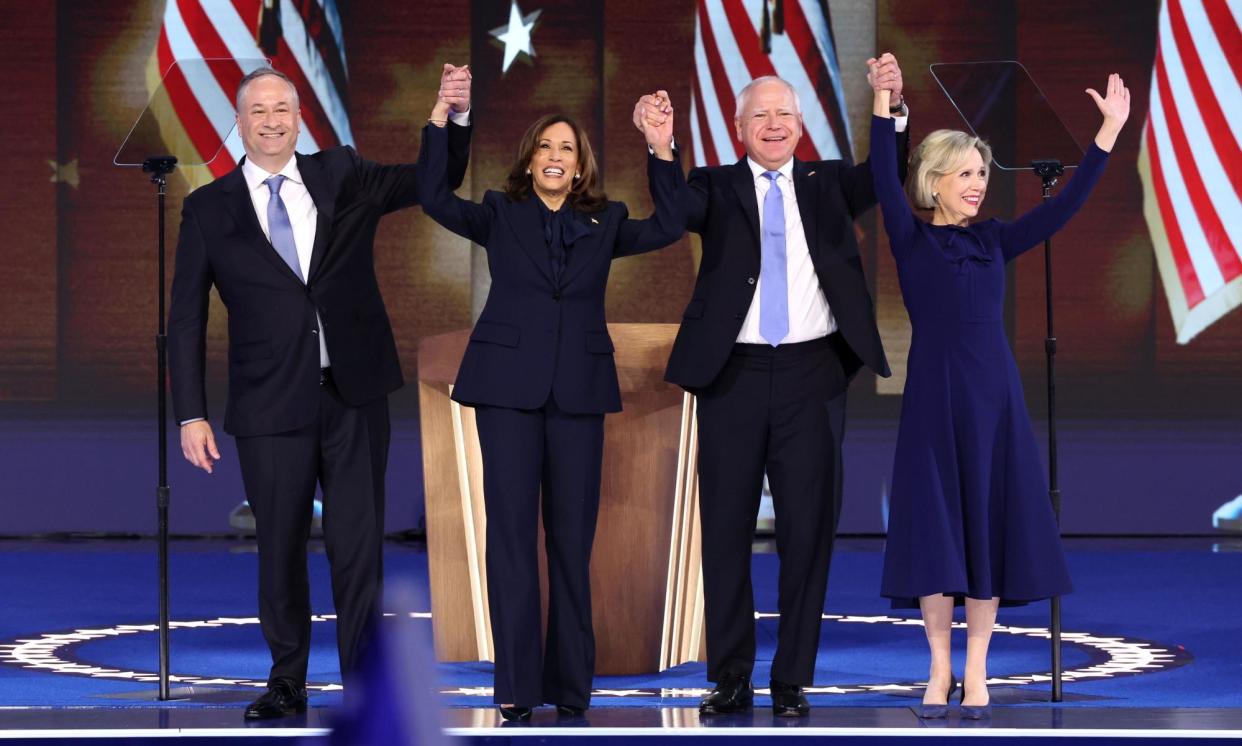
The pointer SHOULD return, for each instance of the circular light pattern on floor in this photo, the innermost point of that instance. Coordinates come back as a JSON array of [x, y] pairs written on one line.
[[1109, 656]]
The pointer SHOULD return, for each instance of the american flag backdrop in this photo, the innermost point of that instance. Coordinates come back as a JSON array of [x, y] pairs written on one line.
[[736, 41], [1191, 164], [301, 38]]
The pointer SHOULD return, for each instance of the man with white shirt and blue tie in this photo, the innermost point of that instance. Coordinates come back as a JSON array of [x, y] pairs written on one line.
[[779, 323], [287, 240]]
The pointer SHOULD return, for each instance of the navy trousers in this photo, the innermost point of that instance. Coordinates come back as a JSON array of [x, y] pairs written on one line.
[[345, 451], [524, 450]]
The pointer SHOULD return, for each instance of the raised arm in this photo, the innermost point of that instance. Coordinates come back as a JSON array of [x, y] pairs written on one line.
[[664, 180], [461, 216], [1032, 228], [651, 109], [899, 220], [858, 181], [396, 186]]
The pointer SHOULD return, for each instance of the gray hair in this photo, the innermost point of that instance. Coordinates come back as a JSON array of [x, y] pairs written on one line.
[[741, 97], [260, 72]]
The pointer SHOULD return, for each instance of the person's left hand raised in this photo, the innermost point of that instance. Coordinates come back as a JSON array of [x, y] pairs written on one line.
[[658, 126], [885, 73], [455, 87]]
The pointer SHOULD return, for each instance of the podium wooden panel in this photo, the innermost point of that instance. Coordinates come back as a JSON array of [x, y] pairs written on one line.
[[646, 581]]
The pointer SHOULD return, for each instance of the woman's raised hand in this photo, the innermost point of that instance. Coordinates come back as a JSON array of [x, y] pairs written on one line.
[[653, 116], [1115, 106], [1115, 103]]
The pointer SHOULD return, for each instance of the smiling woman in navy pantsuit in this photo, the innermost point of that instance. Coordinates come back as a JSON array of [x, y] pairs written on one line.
[[540, 374], [970, 519]]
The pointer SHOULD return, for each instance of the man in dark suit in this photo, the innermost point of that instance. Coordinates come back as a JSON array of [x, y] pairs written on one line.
[[779, 323], [287, 240]]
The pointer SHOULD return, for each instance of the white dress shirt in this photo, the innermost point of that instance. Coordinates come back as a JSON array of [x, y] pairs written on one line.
[[809, 314], [302, 216]]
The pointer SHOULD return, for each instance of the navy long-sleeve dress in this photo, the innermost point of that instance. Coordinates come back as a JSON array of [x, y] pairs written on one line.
[[969, 510]]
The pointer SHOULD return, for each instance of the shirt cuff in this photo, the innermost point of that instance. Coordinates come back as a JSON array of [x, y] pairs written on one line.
[[183, 423], [672, 143], [900, 121], [462, 119]]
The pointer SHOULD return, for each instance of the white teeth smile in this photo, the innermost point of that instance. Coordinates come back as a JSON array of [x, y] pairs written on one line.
[[554, 172]]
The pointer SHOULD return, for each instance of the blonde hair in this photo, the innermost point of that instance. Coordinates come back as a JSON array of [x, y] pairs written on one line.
[[940, 153]]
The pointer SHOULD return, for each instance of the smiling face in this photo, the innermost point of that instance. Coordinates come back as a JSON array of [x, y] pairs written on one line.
[[768, 124], [268, 122], [554, 164], [960, 192]]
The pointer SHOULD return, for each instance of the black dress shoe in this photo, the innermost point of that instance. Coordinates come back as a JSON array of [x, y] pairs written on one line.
[[788, 701], [515, 714], [282, 698], [569, 711], [733, 693]]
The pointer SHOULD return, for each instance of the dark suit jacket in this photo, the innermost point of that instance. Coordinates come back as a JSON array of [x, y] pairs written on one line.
[[535, 336], [722, 208], [273, 337]]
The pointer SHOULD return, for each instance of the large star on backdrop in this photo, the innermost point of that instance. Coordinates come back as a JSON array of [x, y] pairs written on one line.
[[516, 35]]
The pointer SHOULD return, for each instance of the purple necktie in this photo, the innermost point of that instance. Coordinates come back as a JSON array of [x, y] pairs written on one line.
[[280, 229]]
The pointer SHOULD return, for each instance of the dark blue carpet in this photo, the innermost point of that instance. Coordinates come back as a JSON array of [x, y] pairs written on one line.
[[1179, 596]]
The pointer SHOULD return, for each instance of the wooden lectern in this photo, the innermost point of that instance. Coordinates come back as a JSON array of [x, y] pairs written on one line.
[[646, 578]]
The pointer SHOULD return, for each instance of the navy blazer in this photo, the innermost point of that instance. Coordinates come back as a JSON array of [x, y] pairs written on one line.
[[536, 337], [723, 209], [273, 337]]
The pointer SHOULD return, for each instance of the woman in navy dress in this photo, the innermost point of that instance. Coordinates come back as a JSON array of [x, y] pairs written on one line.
[[970, 519], [540, 375]]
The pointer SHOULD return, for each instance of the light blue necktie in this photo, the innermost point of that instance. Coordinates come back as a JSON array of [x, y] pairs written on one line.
[[773, 268], [280, 229]]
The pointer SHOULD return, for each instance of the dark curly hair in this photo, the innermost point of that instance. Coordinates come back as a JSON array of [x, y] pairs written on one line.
[[584, 195]]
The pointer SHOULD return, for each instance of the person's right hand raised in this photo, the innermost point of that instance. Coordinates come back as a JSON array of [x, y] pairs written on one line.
[[198, 445], [1115, 103], [654, 109], [1115, 106], [455, 85]]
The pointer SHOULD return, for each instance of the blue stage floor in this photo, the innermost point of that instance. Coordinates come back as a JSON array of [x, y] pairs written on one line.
[[1152, 630]]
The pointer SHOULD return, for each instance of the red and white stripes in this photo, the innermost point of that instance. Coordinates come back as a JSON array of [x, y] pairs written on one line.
[[1191, 163], [309, 49], [729, 53]]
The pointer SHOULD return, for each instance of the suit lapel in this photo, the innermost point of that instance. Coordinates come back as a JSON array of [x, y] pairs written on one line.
[[246, 223], [528, 225], [744, 186], [316, 183], [585, 244], [806, 187]]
